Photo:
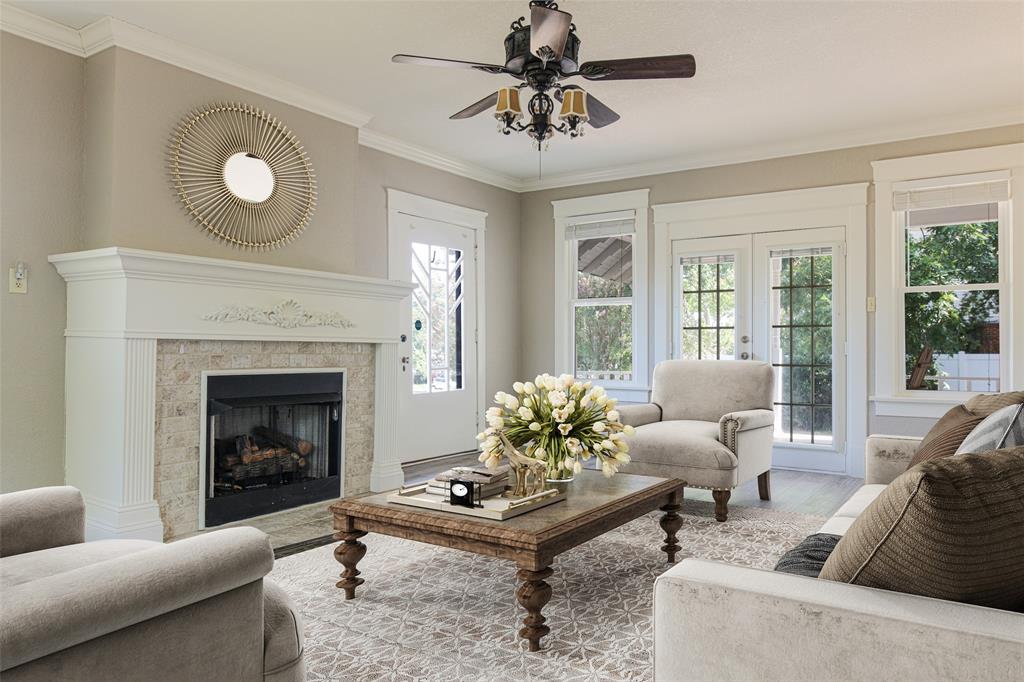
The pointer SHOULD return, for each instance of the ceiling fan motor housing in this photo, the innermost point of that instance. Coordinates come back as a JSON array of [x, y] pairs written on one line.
[[518, 57]]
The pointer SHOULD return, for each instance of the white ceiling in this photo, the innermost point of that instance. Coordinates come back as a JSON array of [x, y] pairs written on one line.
[[772, 77]]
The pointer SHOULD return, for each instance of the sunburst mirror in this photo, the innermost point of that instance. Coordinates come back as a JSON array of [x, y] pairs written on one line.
[[242, 175]]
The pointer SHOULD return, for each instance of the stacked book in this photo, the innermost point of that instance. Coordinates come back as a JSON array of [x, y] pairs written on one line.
[[492, 481]]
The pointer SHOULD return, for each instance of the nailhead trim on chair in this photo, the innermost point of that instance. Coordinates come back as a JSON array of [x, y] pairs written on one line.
[[729, 428]]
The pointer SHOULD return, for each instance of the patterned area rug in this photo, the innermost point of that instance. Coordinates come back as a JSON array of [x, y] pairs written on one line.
[[429, 613]]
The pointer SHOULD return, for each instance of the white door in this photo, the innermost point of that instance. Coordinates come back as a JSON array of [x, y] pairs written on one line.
[[775, 297], [438, 410]]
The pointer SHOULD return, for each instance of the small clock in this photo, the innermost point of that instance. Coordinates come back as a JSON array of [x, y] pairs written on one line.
[[463, 493]]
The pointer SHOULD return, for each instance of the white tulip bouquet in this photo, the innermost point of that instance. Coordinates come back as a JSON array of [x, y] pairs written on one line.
[[557, 420]]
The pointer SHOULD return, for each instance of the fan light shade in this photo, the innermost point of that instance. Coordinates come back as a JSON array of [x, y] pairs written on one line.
[[574, 103], [508, 103]]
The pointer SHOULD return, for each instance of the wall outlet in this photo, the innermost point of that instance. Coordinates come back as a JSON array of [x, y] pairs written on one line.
[[18, 285]]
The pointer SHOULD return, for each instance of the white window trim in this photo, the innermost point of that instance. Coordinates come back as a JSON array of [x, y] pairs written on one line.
[[830, 206], [565, 211], [891, 398]]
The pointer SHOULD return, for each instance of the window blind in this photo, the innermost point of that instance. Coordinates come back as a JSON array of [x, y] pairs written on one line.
[[601, 225], [953, 215], [952, 195], [797, 253]]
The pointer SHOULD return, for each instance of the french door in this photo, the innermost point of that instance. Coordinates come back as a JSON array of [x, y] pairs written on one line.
[[438, 407], [775, 297]]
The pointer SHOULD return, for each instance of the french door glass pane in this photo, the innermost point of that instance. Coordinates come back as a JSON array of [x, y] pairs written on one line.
[[801, 344], [604, 341], [437, 318], [604, 267], [707, 309]]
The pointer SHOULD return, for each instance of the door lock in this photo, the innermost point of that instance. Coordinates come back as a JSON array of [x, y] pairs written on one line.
[[405, 362], [744, 355], [745, 339]]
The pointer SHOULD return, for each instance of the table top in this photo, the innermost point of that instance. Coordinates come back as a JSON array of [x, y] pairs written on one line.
[[592, 500]]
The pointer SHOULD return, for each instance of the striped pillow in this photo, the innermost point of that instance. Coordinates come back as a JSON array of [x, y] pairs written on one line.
[[951, 528], [943, 439]]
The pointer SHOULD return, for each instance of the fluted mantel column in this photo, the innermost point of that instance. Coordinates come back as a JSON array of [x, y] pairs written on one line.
[[387, 462]]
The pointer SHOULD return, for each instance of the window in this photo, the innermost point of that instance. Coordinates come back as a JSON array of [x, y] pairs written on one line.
[[600, 325], [437, 315], [941, 222], [950, 288], [602, 300], [801, 344]]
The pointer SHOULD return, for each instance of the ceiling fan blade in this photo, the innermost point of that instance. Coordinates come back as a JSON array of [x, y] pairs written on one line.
[[480, 107], [600, 114], [447, 63], [549, 29], [669, 66]]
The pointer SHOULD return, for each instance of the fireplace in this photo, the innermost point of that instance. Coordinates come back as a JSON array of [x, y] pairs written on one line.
[[273, 441]]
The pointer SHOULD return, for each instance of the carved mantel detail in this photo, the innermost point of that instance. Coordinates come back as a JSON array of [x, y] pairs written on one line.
[[288, 314]]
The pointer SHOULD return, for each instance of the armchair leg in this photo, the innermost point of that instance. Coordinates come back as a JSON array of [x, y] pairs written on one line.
[[721, 504], [764, 489]]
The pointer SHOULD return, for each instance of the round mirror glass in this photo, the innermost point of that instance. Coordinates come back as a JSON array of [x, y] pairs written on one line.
[[249, 177]]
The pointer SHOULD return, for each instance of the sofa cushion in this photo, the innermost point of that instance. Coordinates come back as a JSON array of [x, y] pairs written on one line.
[[809, 556], [951, 528], [282, 635], [837, 525], [708, 389], [1004, 428], [860, 500], [681, 442], [24, 568]]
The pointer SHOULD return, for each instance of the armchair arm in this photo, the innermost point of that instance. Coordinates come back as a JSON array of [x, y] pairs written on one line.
[[41, 518], [886, 457], [638, 415], [719, 621], [53, 613], [744, 420]]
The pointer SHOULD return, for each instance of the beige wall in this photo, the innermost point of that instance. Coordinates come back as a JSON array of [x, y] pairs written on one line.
[[120, 108], [795, 172], [40, 209]]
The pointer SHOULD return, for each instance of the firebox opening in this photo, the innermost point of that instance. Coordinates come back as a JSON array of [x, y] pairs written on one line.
[[274, 441]]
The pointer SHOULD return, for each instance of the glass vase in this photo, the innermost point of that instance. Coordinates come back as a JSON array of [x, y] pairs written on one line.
[[557, 473]]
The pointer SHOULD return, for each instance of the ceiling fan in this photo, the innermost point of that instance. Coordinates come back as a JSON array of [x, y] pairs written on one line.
[[541, 55]]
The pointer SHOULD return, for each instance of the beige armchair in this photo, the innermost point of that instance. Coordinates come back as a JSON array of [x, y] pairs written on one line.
[[198, 609], [709, 423]]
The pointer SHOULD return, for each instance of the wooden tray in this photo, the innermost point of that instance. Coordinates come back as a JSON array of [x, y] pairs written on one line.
[[498, 508]]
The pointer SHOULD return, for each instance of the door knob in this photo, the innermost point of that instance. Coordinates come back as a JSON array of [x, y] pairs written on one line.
[[744, 355]]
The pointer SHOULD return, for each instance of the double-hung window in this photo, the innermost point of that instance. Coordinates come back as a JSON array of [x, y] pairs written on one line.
[[953, 283], [601, 319]]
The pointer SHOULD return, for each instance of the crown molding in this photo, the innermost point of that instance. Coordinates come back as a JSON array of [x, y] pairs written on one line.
[[394, 146], [824, 143], [40, 30]]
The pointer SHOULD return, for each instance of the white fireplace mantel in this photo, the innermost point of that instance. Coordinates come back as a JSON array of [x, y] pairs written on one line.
[[120, 301]]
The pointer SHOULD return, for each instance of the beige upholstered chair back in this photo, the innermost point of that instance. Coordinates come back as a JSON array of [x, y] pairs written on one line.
[[708, 389]]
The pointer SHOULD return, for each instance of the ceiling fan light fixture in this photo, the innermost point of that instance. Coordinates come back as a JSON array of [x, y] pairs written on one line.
[[574, 104], [508, 104]]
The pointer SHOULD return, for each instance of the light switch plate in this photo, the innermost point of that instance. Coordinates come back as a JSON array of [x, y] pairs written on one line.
[[871, 304], [16, 286]]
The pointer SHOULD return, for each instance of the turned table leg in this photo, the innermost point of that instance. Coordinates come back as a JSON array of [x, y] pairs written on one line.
[[671, 522], [533, 594], [348, 554]]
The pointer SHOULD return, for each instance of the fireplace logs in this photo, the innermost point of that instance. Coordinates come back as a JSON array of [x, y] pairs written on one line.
[[303, 447], [265, 453]]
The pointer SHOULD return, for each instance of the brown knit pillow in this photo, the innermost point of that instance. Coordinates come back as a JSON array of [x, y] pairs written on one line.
[[949, 432], [951, 528]]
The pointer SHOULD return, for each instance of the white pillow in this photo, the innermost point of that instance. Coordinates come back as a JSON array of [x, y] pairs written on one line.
[[1004, 428]]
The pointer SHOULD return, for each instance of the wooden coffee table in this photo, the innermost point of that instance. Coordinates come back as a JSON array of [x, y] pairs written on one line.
[[594, 506]]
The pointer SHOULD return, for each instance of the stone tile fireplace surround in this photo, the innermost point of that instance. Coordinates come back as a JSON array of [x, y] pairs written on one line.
[[142, 328]]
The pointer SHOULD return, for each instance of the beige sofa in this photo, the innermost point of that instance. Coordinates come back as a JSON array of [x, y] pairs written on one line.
[[709, 423], [198, 609], [714, 621]]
